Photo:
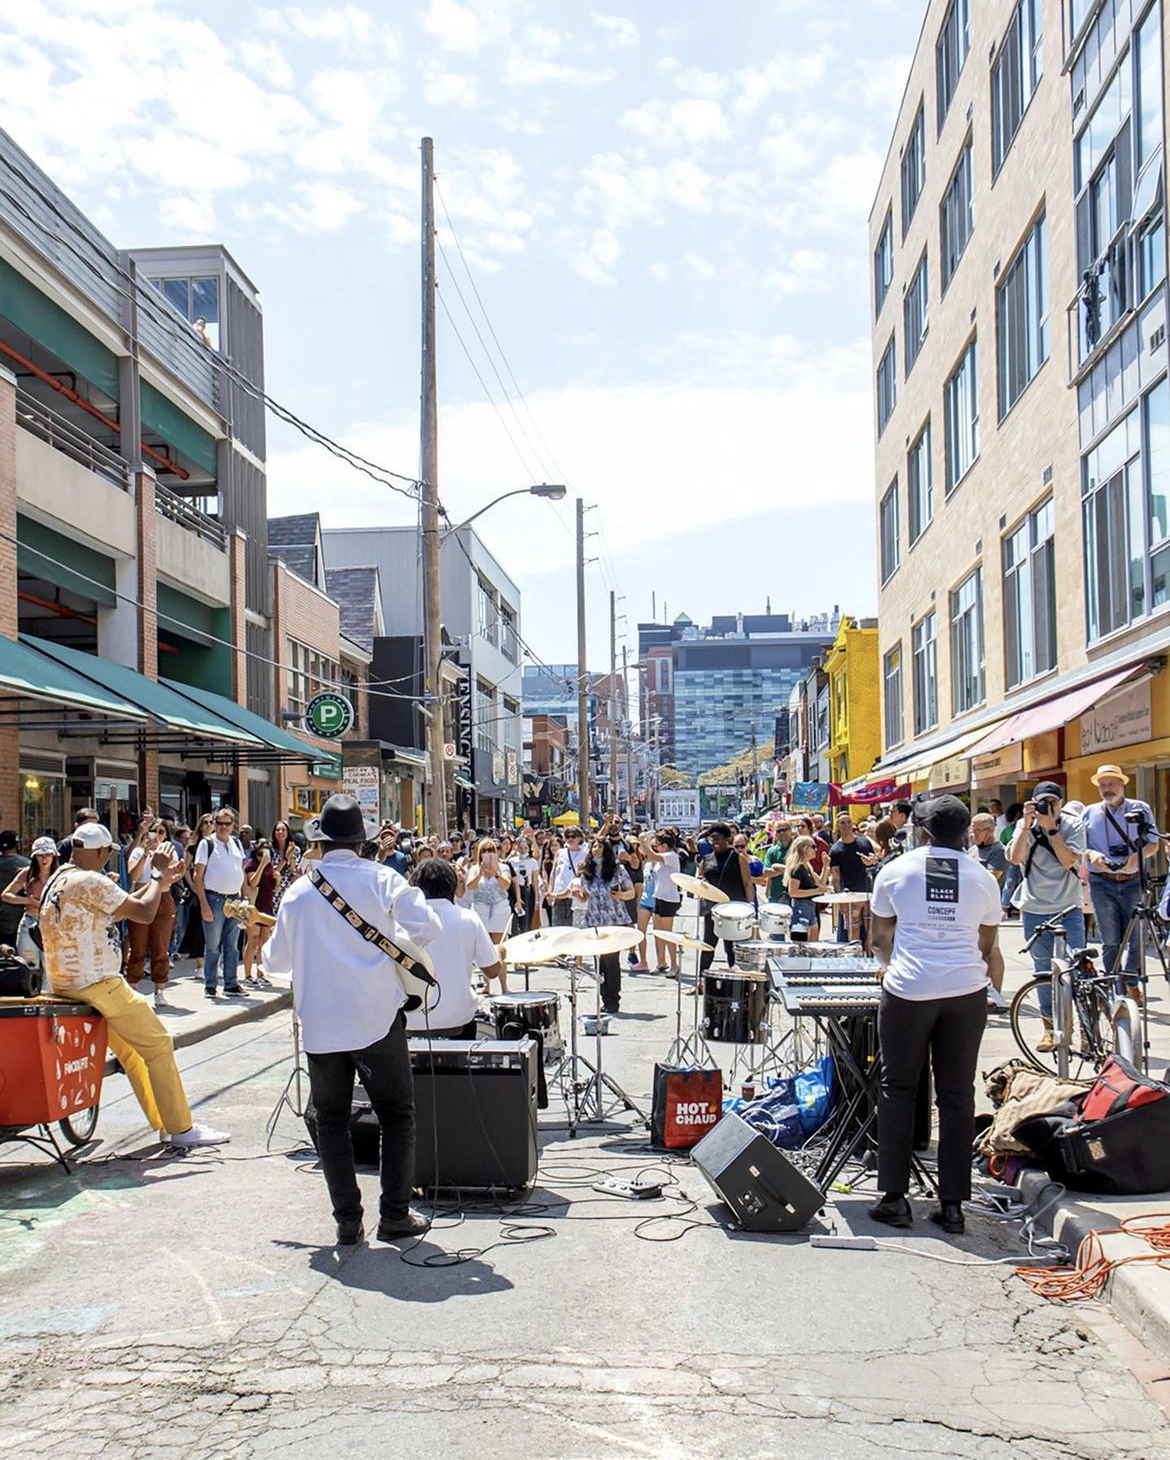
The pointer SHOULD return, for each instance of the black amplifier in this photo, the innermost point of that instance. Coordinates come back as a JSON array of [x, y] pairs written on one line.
[[476, 1101]]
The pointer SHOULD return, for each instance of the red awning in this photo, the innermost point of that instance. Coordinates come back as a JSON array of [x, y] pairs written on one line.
[[1050, 714]]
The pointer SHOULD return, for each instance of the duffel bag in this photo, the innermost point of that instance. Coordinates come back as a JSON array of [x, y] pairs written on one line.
[[1119, 1142]]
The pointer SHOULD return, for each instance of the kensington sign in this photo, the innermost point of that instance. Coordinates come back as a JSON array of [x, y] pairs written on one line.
[[329, 714]]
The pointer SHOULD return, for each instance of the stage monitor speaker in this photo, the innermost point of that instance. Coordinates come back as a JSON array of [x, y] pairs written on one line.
[[473, 1099], [764, 1191]]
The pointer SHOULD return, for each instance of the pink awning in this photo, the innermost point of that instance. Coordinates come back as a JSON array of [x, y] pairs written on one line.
[[1050, 714]]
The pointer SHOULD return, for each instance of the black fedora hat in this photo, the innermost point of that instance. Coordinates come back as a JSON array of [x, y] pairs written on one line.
[[341, 820]]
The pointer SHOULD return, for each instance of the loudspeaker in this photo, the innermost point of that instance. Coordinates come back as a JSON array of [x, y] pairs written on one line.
[[765, 1192], [475, 1100]]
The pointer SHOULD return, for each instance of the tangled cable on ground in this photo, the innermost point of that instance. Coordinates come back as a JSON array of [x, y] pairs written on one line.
[[1092, 1267]]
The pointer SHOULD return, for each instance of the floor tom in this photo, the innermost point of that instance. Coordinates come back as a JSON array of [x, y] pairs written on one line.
[[518, 1015], [734, 1005]]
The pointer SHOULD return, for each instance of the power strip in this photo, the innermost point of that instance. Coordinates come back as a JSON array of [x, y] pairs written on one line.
[[854, 1244]]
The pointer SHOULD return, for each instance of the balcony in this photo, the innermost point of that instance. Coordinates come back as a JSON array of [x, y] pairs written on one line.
[[176, 509], [51, 427]]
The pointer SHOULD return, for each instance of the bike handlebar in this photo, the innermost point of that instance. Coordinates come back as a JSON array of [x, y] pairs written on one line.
[[1051, 925]]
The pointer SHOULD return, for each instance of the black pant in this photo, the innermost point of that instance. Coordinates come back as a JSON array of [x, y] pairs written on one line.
[[611, 981], [951, 1030], [384, 1069], [706, 959]]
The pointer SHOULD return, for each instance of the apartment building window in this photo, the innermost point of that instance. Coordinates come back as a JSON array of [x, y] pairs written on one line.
[[1126, 486], [485, 717], [485, 610], [919, 484], [895, 727], [309, 672], [1029, 596], [915, 310], [887, 385], [891, 547], [508, 642], [1149, 209], [956, 217], [194, 299], [954, 41], [1015, 76], [1022, 317], [925, 651], [883, 265], [968, 680], [961, 410], [913, 168]]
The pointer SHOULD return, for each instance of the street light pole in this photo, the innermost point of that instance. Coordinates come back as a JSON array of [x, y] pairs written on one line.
[[436, 795], [583, 795]]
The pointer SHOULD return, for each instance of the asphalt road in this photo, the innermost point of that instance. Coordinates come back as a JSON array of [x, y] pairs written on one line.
[[154, 1304]]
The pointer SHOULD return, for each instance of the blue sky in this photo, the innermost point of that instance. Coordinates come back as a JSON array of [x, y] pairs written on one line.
[[663, 207]]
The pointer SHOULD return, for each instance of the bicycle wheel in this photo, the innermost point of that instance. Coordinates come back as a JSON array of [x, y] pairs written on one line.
[[1093, 1039], [1029, 1026], [77, 1129]]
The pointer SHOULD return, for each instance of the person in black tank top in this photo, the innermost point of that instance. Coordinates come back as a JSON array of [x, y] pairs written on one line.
[[726, 869]]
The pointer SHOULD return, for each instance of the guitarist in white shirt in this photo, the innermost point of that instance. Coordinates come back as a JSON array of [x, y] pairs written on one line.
[[350, 1000]]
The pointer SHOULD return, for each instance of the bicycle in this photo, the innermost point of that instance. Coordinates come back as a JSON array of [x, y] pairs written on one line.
[[1084, 1000]]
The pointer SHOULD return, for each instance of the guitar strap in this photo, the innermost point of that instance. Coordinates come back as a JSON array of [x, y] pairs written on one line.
[[366, 929]]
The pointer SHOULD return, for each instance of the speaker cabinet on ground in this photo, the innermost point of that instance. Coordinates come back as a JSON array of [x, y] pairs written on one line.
[[764, 1191]]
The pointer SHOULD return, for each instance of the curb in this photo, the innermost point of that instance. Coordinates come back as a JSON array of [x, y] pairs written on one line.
[[237, 1014], [1139, 1294]]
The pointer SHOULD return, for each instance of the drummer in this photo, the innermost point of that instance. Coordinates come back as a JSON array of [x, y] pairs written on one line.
[[461, 947], [730, 872]]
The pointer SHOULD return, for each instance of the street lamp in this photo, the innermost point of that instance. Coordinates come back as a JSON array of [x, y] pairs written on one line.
[[551, 491]]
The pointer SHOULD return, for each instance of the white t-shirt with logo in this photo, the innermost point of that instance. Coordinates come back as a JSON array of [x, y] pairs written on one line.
[[224, 862], [941, 898], [82, 943], [461, 946]]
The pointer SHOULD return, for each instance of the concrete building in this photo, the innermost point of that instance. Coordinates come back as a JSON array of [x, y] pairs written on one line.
[[1022, 411], [135, 591], [481, 614]]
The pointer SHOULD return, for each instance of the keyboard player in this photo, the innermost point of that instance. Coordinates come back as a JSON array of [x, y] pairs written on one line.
[[936, 915]]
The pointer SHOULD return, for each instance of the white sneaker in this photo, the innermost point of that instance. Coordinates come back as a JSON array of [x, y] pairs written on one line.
[[198, 1135], [160, 999]]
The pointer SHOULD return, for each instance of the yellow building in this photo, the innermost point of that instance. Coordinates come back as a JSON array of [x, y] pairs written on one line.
[[855, 723]]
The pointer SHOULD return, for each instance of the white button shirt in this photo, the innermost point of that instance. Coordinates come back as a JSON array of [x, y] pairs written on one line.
[[347, 991]]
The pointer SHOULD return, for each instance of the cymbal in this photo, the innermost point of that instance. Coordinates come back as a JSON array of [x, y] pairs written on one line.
[[684, 940], [594, 942], [844, 899], [541, 945], [698, 888]]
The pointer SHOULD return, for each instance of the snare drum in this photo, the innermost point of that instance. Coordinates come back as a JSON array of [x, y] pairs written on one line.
[[774, 919], [534, 1014], [734, 922], [734, 1005], [753, 957]]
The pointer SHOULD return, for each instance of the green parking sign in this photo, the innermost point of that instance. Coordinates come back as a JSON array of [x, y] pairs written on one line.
[[329, 714]]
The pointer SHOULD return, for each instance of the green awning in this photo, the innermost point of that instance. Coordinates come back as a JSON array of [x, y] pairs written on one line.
[[149, 696], [26, 672], [255, 725]]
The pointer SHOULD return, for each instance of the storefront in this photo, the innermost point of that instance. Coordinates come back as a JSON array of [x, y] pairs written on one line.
[[1129, 728], [42, 795]]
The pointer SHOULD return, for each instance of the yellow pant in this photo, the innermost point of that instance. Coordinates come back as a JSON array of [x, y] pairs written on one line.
[[144, 1049]]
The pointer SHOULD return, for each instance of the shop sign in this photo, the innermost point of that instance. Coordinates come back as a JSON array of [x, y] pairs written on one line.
[[361, 782], [329, 714], [953, 772], [513, 767], [497, 767], [678, 807], [463, 710], [998, 765], [1123, 719]]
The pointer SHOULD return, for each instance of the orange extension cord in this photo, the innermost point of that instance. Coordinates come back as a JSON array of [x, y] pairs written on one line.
[[1089, 1273]]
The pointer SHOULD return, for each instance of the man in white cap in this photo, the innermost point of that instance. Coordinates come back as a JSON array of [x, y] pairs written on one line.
[[80, 912], [1118, 830], [351, 1004]]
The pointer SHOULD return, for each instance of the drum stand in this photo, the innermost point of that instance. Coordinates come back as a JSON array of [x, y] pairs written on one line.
[[292, 1096], [585, 1095]]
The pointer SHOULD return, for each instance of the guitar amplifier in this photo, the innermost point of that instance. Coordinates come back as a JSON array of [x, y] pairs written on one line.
[[765, 1192], [475, 1101]]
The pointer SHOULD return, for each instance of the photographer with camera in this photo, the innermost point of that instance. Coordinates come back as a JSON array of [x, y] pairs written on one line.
[[1048, 844], [1117, 830]]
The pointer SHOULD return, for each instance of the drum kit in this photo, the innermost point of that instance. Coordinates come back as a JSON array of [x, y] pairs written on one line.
[[582, 1082]]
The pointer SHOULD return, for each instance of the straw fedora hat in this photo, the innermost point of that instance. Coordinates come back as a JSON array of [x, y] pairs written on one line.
[[1109, 770]]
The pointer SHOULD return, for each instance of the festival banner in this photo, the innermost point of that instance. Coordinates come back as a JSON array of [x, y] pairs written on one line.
[[810, 796], [876, 791]]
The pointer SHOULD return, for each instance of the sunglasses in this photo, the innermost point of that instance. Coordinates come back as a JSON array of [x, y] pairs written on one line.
[[224, 821]]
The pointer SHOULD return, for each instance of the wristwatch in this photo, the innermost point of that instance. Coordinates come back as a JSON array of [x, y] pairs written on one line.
[[156, 875]]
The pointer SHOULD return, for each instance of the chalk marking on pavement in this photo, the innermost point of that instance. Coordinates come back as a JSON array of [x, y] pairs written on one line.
[[219, 1323], [596, 1431]]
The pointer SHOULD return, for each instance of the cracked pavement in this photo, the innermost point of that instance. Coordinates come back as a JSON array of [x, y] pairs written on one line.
[[155, 1304]]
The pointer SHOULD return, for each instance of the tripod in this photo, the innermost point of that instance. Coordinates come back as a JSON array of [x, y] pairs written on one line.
[[292, 1096], [1144, 917]]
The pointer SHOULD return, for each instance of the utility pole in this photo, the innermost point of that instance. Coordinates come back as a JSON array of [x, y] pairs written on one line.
[[613, 747], [582, 685], [629, 729], [429, 513], [753, 767]]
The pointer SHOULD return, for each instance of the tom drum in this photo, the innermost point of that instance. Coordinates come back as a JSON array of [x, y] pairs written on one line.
[[734, 922], [535, 1014], [734, 1006], [774, 919]]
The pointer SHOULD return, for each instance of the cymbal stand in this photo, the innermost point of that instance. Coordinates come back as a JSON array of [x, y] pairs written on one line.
[[293, 1101], [694, 1047], [585, 1094]]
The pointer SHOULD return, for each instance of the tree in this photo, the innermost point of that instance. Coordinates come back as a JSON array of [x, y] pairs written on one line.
[[739, 765], [670, 778]]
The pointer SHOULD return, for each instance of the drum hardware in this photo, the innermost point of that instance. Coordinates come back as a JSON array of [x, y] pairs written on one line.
[[682, 941], [585, 1097]]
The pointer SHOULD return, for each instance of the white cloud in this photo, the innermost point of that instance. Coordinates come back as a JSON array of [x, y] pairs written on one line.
[[521, 69], [699, 266], [267, 58], [661, 272], [805, 270], [449, 88], [347, 24], [620, 31], [596, 259], [783, 74], [694, 120], [455, 27]]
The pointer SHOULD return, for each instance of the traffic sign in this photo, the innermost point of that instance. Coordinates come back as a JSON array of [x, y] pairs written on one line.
[[329, 714]]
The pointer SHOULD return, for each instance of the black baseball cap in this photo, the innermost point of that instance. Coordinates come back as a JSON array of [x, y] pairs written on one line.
[[944, 818], [1048, 788]]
